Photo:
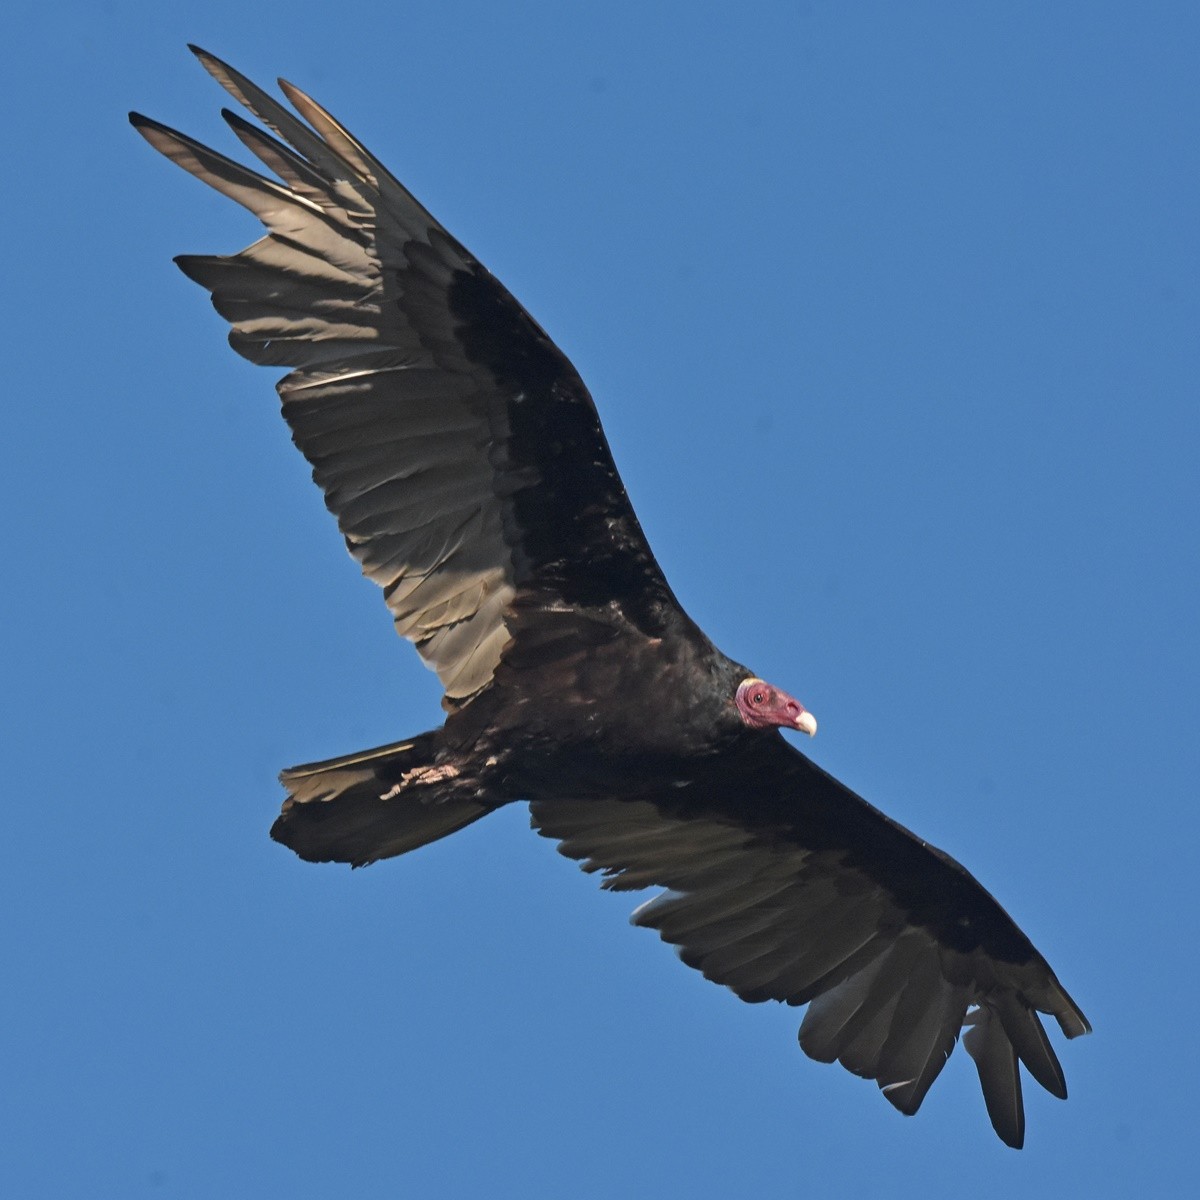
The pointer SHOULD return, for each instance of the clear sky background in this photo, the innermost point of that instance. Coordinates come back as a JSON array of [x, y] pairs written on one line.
[[891, 312]]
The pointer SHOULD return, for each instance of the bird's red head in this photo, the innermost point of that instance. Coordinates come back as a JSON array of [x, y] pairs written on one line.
[[760, 706]]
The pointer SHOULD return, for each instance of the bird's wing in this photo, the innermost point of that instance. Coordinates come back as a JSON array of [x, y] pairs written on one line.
[[455, 444], [784, 885]]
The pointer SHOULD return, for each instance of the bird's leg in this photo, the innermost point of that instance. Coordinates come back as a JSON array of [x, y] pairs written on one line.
[[422, 775]]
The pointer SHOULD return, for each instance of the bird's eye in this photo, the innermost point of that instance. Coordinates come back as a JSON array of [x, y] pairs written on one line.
[[759, 697]]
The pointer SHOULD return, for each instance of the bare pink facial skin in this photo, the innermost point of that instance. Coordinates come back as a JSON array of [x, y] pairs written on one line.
[[761, 705]]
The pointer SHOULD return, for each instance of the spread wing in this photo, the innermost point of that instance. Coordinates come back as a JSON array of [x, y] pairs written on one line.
[[784, 885], [455, 444]]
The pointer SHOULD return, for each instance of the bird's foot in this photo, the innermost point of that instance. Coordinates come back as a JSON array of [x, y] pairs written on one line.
[[421, 775]]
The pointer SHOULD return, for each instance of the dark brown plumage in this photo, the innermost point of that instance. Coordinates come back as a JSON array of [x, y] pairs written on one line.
[[466, 466]]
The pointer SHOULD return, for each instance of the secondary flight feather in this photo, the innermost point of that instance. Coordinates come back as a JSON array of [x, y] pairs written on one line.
[[465, 463]]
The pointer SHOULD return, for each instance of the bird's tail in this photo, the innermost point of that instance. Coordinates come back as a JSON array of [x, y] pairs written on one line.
[[357, 809]]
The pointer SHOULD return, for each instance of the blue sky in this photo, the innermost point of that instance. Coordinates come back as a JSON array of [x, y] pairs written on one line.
[[891, 314]]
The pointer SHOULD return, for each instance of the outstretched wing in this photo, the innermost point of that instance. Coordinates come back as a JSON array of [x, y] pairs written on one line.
[[784, 885], [455, 444]]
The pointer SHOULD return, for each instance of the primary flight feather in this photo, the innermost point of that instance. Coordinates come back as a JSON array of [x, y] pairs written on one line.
[[464, 461]]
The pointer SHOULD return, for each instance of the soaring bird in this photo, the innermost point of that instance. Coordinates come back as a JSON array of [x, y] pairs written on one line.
[[463, 458]]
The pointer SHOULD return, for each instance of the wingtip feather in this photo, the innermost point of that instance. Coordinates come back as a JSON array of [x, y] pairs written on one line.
[[999, 1076], [210, 62], [148, 127], [1029, 1040]]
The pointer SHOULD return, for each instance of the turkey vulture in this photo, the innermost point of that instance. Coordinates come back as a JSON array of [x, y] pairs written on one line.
[[464, 461]]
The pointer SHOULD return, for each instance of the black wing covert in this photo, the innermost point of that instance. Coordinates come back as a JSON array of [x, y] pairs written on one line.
[[784, 885], [456, 445]]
